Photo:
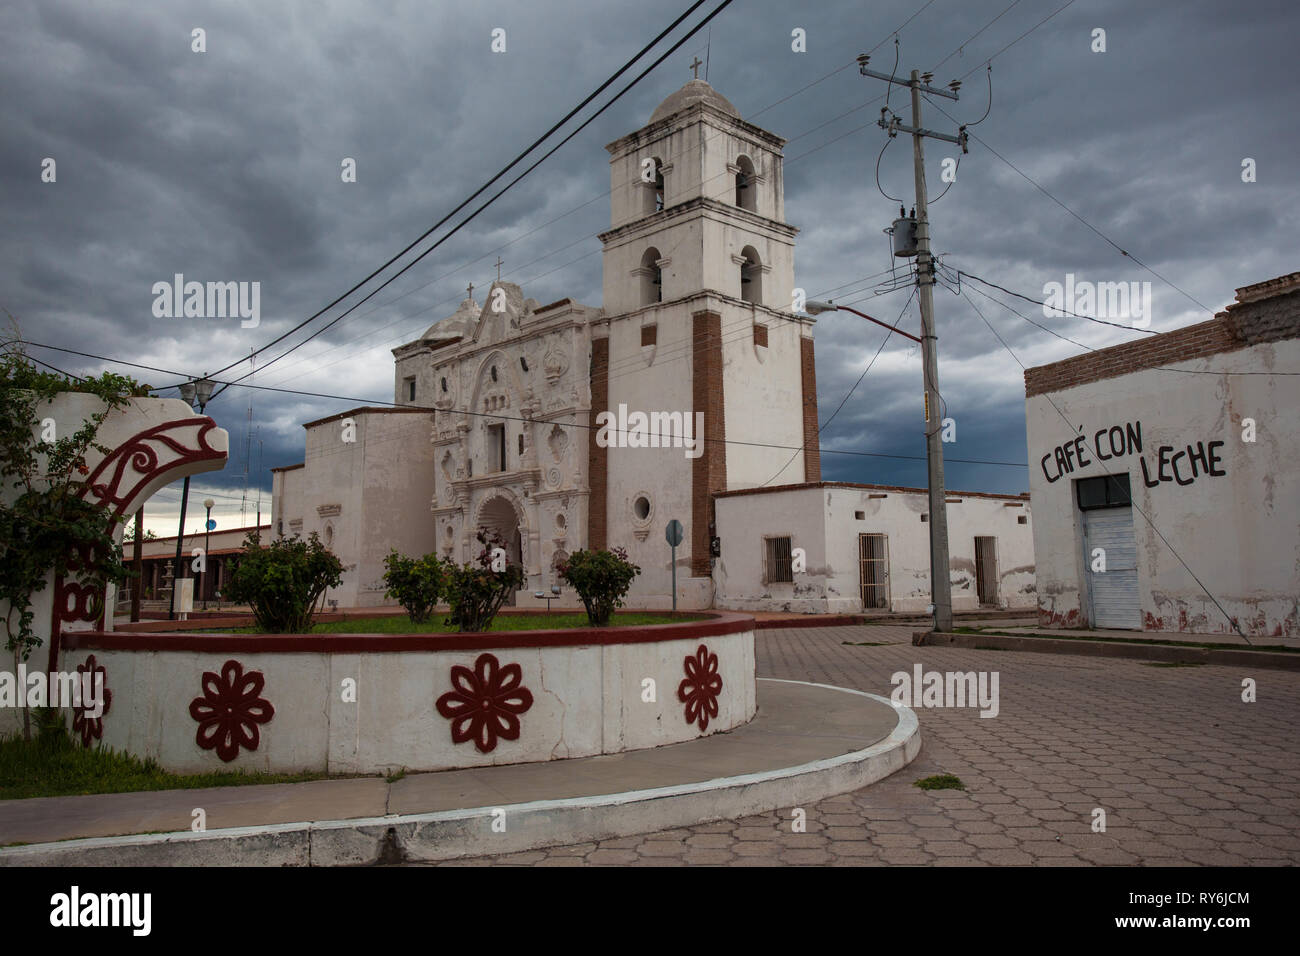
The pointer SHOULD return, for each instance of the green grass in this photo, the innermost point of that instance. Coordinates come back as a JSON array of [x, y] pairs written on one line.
[[942, 781], [59, 767], [401, 624], [1131, 640]]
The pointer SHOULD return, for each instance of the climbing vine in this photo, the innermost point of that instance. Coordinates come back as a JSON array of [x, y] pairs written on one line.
[[44, 520]]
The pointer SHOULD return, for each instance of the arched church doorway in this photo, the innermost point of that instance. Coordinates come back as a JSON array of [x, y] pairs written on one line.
[[498, 514]]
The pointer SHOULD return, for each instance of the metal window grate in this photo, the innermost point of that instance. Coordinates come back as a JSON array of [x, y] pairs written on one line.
[[777, 561], [986, 570], [873, 570]]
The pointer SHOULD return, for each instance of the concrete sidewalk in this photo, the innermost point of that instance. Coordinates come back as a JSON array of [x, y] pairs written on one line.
[[1175, 637], [807, 742]]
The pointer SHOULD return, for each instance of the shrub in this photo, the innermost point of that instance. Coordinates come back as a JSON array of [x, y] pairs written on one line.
[[602, 579], [417, 583], [283, 582], [477, 591]]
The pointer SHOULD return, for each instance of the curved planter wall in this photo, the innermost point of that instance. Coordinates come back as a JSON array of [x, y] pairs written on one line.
[[346, 703]]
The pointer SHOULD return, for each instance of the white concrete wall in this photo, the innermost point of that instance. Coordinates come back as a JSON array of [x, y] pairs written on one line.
[[362, 497], [586, 700], [823, 521], [1240, 533]]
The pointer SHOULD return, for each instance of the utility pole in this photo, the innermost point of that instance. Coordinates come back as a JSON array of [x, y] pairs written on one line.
[[940, 575]]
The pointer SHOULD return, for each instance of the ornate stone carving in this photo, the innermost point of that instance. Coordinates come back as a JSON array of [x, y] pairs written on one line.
[[555, 362], [558, 442]]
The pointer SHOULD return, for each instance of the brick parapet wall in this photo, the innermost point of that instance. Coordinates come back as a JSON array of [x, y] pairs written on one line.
[[1266, 312]]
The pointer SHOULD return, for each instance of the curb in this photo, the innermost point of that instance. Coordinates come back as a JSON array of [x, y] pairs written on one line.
[[450, 834], [1171, 653]]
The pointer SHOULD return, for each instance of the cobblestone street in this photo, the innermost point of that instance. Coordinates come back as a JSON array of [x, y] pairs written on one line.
[[1186, 772]]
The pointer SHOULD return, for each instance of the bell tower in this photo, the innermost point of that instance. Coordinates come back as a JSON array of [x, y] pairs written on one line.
[[698, 284]]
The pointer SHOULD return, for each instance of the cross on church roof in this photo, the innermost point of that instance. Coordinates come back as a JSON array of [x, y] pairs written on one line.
[[695, 66], [499, 265], [469, 292]]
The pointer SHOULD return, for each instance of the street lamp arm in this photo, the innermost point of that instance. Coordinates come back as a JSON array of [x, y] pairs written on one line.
[[816, 307]]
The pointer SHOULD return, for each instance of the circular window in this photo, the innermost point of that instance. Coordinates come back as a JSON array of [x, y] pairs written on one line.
[[641, 508]]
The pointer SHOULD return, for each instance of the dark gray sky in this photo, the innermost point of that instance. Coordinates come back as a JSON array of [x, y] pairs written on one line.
[[225, 165]]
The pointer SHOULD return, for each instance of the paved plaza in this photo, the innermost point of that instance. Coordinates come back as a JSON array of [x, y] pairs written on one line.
[[1186, 772]]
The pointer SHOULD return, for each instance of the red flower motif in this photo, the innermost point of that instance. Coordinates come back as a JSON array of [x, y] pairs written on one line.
[[82, 722], [699, 691], [485, 702], [230, 710]]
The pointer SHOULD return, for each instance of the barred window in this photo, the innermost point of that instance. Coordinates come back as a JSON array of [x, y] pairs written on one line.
[[777, 561]]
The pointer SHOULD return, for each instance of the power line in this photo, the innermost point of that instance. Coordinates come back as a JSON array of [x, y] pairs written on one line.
[[824, 426], [1042, 189], [1118, 325], [969, 39], [595, 198], [699, 26], [503, 171], [1077, 432], [499, 417], [1151, 368], [1021, 37]]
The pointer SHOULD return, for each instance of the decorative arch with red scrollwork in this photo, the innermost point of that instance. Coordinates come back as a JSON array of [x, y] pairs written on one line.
[[127, 476]]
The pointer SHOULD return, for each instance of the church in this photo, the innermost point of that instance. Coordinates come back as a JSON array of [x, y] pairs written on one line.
[[689, 394]]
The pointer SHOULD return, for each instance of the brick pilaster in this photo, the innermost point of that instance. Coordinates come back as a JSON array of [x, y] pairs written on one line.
[[709, 471], [812, 454], [597, 457]]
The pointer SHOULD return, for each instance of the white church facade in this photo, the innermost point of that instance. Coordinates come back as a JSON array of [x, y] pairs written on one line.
[[563, 426]]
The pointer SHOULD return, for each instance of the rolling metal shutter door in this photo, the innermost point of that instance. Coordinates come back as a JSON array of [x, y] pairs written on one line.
[[1115, 592]]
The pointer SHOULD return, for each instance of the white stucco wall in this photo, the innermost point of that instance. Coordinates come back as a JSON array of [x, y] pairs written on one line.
[[1239, 533], [586, 700], [362, 496], [822, 519]]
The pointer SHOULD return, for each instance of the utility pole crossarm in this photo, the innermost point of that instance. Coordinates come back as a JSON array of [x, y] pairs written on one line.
[[896, 127], [915, 83]]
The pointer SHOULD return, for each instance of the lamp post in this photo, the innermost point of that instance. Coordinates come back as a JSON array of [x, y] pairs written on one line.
[[940, 583], [196, 395], [813, 307], [207, 538]]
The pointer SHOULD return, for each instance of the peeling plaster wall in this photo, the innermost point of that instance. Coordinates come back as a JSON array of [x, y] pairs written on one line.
[[823, 521], [1240, 533]]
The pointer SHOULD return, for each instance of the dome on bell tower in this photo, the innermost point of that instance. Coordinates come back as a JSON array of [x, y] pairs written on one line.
[[695, 91]]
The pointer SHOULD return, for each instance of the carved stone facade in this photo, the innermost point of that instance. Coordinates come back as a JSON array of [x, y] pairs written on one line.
[[507, 380]]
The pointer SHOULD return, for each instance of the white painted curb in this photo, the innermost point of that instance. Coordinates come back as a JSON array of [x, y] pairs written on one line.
[[448, 834]]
